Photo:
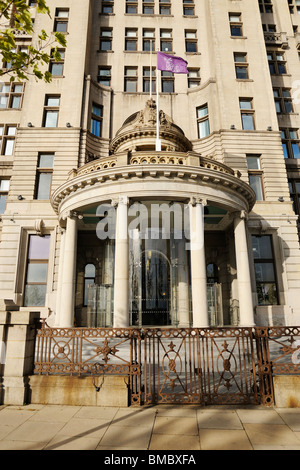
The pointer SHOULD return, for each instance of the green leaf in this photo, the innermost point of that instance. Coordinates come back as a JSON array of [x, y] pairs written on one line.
[[23, 64]]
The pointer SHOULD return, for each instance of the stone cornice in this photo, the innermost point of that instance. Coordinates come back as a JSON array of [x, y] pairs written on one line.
[[192, 174]]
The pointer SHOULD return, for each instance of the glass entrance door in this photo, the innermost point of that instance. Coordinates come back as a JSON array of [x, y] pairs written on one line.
[[151, 279], [156, 299], [159, 279]]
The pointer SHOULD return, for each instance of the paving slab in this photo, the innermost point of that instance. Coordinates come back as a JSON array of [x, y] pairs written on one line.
[[291, 417], [269, 417], [63, 442], [85, 427], [96, 412], [229, 439], [130, 437], [134, 418], [265, 434], [21, 445], [55, 413], [222, 419], [175, 425], [15, 417], [172, 442], [35, 431]]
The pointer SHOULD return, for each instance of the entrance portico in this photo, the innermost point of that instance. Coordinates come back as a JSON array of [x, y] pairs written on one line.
[[144, 272]]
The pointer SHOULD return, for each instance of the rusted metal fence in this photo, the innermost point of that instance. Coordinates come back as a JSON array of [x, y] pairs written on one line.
[[176, 365]]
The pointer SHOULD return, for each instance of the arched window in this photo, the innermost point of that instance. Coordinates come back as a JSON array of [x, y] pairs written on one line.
[[89, 279], [212, 273]]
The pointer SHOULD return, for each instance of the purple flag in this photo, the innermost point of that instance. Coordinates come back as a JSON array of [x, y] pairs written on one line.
[[171, 63]]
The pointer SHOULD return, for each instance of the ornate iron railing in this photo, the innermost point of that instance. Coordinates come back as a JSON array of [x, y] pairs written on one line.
[[82, 351], [176, 365]]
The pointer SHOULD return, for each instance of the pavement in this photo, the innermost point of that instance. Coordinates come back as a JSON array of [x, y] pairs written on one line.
[[159, 428]]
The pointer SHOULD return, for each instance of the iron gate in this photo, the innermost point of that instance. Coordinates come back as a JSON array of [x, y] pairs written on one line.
[[204, 366]]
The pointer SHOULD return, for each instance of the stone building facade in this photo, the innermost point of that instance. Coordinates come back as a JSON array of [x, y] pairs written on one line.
[[100, 229]]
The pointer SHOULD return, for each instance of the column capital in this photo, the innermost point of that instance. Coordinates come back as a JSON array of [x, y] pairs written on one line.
[[197, 200], [71, 215], [239, 215], [120, 200]]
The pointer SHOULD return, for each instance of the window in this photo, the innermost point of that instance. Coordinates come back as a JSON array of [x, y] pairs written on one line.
[[294, 6], [193, 78], [4, 188], [236, 26], [283, 100], [51, 110], [294, 187], [190, 41], [130, 39], [167, 82], [266, 285], [96, 120], [241, 65], [255, 175], [130, 79], [188, 8], [203, 121], [269, 28], [56, 67], [89, 280], [131, 7], [23, 49], [37, 270], [277, 64], [146, 79], [44, 176], [106, 39], [265, 6], [148, 40], [247, 114], [61, 20], [166, 42], [7, 138], [104, 76], [148, 7], [290, 143], [165, 7], [107, 7], [11, 95], [212, 273]]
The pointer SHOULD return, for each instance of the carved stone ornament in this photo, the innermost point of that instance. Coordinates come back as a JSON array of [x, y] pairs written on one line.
[[142, 125], [197, 200], [38, 226]]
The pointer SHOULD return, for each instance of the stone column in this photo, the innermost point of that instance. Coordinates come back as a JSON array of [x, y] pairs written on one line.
[[66, 319], [198, 264], [183, 287], [121, 279], [243, 271]]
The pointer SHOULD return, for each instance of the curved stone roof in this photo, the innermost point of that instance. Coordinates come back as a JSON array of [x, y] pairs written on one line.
[[139, 130]]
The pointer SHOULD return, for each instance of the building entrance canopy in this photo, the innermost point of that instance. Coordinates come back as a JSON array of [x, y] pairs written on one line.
[[154, 209]]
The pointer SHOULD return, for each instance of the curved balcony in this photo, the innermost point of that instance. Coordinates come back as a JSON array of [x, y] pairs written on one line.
[[139, 174]]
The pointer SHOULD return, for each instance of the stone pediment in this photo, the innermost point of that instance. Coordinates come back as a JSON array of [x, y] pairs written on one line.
[[139, 130]]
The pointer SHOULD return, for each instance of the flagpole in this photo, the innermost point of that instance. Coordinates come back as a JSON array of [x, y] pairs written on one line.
[[150, 69], [158, 142]]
